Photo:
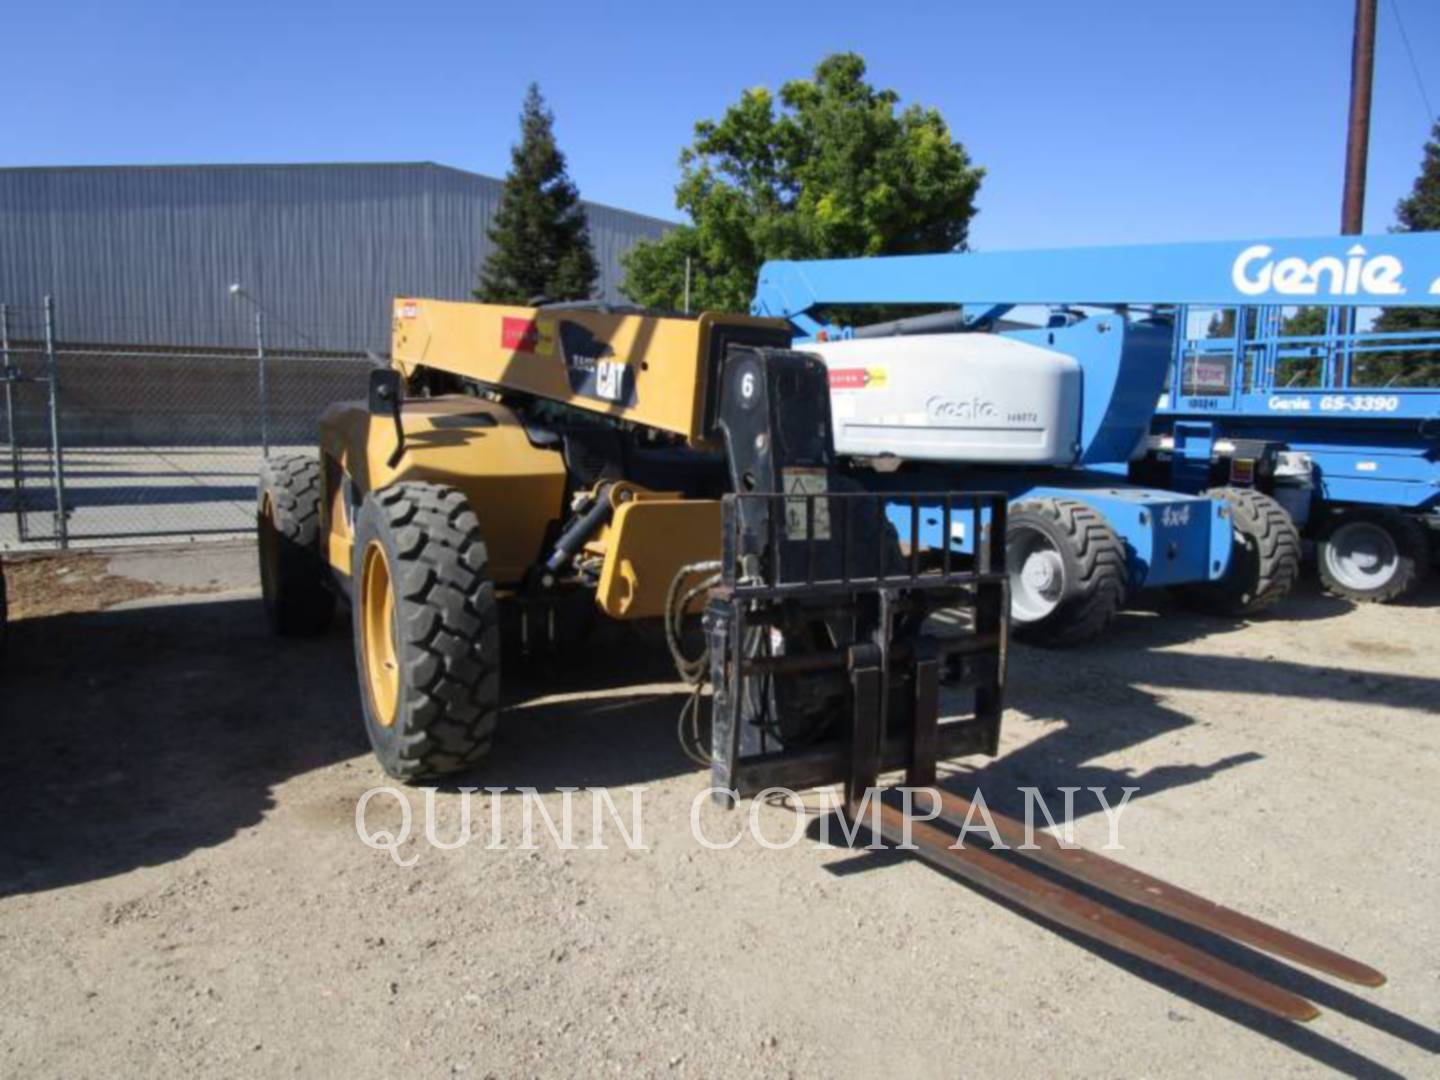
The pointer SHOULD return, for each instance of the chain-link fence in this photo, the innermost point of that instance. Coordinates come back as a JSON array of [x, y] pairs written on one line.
[[112, 444]]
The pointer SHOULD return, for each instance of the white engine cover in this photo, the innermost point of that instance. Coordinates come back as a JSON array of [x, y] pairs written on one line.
[[953, 397]]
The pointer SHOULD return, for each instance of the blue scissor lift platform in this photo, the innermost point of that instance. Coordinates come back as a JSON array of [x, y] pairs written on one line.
[[1341, 424]]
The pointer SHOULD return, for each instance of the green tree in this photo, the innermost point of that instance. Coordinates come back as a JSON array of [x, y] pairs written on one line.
[[1417, 212], [1305, 322], [1420, 210], [1302, 365], [1222, 323], [540, 238], [833, 168]]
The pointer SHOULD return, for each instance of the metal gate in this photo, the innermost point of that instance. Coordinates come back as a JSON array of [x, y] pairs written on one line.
[[32, 503], [107, 443]]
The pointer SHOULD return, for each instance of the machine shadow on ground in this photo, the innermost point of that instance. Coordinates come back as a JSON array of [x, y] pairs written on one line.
[[1117, 692], [1307, 602], [139, 735], [178, 720]]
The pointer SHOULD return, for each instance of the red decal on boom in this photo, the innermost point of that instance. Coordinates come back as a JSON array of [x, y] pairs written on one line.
[[520, 334], [848, 378]]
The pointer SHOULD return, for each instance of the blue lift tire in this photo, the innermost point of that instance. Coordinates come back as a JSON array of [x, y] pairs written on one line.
[[1068, 577], [1264, 563], [1373, 555]]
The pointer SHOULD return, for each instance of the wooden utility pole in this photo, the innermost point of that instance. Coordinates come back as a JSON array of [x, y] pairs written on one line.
[[1357, 146]]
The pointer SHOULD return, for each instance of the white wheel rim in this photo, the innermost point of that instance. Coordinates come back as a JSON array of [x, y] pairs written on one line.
[[1362, 555], [1037, 576]]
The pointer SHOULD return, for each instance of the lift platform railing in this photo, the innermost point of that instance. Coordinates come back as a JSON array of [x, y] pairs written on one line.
[[1361, 371]]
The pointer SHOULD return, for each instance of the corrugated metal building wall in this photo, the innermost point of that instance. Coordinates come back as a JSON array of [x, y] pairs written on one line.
[[147, 255]]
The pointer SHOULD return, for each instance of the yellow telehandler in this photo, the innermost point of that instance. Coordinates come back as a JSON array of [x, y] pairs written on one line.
[[517, 471]]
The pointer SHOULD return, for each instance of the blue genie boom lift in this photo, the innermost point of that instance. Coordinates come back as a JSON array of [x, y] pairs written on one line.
[[1051, 409], [1278, 389]]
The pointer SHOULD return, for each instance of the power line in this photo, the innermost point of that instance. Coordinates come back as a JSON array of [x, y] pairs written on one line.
[[1414, 67]]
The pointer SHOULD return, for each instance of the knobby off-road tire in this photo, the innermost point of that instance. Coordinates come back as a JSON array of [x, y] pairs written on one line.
[[4, 614], [1067, 571], [1373, 555], [293, 582], [426, 629], [1264, 562]]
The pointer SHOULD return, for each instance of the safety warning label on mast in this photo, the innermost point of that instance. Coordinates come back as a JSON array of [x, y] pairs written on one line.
[[801, 510]]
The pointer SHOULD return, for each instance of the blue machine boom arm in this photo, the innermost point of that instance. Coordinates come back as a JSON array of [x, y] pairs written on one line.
[[1391, 270]]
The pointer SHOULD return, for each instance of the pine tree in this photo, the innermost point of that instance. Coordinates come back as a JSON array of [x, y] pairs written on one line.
[[1417, 212], [540, 238], [1420, 210]]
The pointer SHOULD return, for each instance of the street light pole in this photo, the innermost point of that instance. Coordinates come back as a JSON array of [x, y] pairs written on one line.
[[239, 292]]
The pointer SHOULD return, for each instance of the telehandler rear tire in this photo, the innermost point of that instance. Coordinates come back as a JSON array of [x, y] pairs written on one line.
[[292, 574], [1264, 563], [426, 629], [4, 614], [1068, 577]]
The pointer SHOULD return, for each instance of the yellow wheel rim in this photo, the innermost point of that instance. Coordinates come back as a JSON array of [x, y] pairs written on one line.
[[269, 548], [377, 633]]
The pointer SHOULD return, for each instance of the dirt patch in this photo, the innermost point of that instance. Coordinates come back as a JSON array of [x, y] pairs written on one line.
[[74, 583], [1380, 648]]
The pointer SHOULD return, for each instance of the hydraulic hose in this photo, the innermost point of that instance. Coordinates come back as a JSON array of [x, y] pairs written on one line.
[[695, 670], [581, 529]]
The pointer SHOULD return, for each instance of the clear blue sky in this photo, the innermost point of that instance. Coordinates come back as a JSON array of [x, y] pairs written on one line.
[[1100, 121]]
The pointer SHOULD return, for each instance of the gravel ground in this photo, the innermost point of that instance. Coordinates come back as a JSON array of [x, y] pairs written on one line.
[[184, 888]]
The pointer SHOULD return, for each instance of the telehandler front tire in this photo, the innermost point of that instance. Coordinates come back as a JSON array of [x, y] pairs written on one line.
[[426, 629], [1264, 562], [292, 574]]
